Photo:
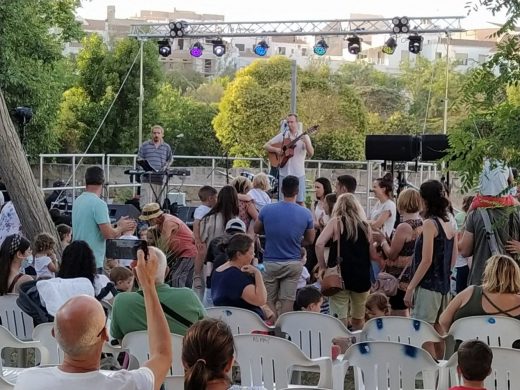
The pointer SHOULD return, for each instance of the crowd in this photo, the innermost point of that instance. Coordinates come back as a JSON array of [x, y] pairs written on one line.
[[268, 257]]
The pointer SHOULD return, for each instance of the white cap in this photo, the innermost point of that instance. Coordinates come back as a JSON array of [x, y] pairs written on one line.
[[236, 224]]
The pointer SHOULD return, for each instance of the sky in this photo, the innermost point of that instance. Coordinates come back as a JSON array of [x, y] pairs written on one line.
[[266, 10]]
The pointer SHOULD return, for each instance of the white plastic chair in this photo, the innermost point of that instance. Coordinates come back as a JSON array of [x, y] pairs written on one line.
[[386, 362], [267, 361], [5, 385], [8, 340], [504, 375], [495, 331], [313, 334], [241, 321], [137, 345], [14, 319], [174, 382]]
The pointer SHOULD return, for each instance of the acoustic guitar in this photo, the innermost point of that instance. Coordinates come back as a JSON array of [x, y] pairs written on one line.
[[288, 146]]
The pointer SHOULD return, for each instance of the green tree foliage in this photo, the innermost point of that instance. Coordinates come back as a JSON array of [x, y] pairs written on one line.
[[32, 70], [101, 73]]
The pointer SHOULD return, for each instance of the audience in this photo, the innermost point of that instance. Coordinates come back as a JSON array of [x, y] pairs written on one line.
[[383, 213], [474, 359], [308, 298], [322, 188], [238, 282], [9, 221], [80, 330], [349, 226], [65, 233], [208, 355], [122, 278], [181, 305], [462, 263], [498, 295], [44, 260], [377, 305], [305, 275], [13, 251], [259, 191], [247, 211]]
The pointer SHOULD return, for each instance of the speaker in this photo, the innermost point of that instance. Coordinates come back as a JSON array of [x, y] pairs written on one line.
[[434, 147], [186, 214], [116, 211], [392, 147]]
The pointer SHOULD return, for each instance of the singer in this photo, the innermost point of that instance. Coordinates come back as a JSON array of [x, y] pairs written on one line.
[[159, 155]]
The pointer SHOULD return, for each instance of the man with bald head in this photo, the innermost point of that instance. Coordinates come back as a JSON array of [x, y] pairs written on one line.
[[181, 306], [80, 330]]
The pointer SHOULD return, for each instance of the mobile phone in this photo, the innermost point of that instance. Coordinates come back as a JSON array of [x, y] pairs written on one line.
[[125, 249]]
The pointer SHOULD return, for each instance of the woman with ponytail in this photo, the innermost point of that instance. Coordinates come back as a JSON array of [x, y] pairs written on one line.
[[383, 214], [207, 355], [14, 250]]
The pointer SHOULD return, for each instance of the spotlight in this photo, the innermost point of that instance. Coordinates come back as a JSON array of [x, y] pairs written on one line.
[[389, 46], [415, 44], [261, 48], [177, 28], [196, 50], [23, 114], [320, 48], [164, 48], [219, 48], [354, 45], [400, 25]]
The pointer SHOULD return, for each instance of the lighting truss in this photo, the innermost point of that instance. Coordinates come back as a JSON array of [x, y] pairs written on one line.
[[201, 30]]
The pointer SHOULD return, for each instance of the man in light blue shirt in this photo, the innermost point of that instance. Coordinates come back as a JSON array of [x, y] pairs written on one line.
[[90, 218]]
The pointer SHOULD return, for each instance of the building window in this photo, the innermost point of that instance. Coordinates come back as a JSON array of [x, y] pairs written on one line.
[[208, 66], [240, 46], [461, 58], [281, 50], [180, 44], [438, 55], [292, 51], [482, 58], [304, 51]]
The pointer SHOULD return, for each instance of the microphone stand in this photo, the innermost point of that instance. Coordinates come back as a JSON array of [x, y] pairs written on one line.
[[225, 157]]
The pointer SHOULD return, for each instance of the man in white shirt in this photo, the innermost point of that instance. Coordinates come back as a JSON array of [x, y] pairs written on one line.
[[296, 164], [80, 330]]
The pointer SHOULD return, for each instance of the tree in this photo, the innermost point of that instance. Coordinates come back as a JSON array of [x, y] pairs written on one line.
[[32, 70]]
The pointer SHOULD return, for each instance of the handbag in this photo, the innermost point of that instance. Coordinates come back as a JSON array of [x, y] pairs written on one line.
[[332, 281], [386, 283]]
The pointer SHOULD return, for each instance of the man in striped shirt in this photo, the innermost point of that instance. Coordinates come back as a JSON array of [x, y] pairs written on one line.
[[159, 155]]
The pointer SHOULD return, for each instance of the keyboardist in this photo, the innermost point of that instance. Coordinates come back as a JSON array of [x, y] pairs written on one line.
[[159, 155]]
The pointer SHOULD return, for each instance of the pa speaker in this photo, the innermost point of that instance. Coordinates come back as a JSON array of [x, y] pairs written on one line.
[[434, 147], [392, 147]]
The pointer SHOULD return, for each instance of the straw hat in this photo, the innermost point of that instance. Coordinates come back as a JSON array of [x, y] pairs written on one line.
[[150, 211]]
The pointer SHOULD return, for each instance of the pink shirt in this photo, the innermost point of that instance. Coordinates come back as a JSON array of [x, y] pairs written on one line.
[[182, 243]]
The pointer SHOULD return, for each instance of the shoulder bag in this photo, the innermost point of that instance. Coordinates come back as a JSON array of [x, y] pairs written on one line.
[[332, 281]]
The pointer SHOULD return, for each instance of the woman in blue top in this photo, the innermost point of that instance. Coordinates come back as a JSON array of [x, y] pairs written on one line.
[[237, 282], [434, 257]]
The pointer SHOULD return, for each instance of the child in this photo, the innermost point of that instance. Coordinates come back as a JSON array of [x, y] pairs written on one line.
[[305, 276], [377, 305], [208, 199], [308, 298], [474, 364], [127, 235], [317, 284], [122, 278], [65, 233], [45, 262], [259, 190]]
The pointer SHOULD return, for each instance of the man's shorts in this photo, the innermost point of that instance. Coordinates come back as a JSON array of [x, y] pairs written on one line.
[[346, 303], [281, 279]]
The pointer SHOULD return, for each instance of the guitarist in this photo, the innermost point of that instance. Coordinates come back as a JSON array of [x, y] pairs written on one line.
[[296, 164]]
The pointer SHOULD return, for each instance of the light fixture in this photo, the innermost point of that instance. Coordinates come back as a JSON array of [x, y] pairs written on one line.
[[400, 25], [219, 48], [389, 46], [165, 48], [177, 28], [354, 45], [415, 44], [320, 48], [261, 48], [196, 50]]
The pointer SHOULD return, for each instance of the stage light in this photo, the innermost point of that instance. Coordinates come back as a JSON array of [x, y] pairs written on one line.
[[165, 48], [400, 25], [177, 29], [320, 48], [389, 46], [261, 48], [196, 50], [219, 48], [415, 44], [354, 45]]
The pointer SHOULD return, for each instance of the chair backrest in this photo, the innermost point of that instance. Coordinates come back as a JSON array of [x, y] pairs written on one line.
[[386, 362], [312, 332], [14, 319], [504, 371], [137, 345], [267, 361], [42, 333], [400, 330], [241, 321], [495, 331], [5, 385], [8, 340], [174, 382]]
